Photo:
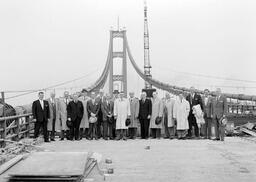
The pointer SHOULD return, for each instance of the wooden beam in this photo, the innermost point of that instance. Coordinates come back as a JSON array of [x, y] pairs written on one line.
[[252, 133], [10, 163]]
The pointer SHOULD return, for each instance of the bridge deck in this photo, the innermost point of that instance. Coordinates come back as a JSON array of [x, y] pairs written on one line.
[[182, 161], [188, 160]]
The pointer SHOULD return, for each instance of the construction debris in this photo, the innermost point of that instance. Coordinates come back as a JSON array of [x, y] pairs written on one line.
[[10, 163], [14, 148], [245, 129]]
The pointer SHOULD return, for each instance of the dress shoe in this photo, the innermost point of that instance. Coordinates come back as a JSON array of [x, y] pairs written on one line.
[[118, 138], [216, 139]]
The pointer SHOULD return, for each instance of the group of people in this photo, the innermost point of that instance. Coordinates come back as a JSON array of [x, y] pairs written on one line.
[[79, 116]]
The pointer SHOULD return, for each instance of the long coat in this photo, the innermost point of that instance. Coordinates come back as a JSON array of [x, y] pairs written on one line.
[[53, 107], [157, 110], [134, 107], [85, 119], [181, 112], [61, 119], [121, 111], [169, 105]]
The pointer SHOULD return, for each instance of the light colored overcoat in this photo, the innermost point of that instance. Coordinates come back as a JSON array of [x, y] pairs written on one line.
[[51, 108], [121, 111], [135, 108], [61, 119], [181, 112], [157, 110], [169, 105], [85, 120]]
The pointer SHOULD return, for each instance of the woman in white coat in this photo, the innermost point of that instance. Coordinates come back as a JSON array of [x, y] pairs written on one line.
[[181, 112], [121, 113]]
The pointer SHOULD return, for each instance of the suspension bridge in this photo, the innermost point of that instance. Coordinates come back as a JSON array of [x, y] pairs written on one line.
[[241, 108]]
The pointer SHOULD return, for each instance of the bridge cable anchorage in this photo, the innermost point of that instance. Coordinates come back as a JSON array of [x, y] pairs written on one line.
[[53, 86], [174, 89]]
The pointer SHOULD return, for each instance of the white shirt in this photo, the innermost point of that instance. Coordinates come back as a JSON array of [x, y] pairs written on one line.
[[52, 100], [42, 103], [205, 100]]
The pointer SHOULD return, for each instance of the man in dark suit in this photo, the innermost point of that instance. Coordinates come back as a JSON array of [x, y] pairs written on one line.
[[41, 114], [219, 110], [93, 108], [145, 111], [207, 109], [75, 111], [194, 99], [107, 108]]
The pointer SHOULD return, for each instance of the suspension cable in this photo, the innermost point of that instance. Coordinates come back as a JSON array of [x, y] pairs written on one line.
[[53, 86]]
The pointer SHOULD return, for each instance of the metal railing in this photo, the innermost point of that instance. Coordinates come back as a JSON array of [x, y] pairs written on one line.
[[19, 127], [241, 110]]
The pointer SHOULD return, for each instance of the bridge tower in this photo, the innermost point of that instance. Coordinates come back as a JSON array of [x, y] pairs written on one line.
[[147, 65], [118, 54]]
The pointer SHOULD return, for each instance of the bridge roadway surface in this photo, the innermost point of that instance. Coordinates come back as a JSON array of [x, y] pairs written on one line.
[[172, 160]]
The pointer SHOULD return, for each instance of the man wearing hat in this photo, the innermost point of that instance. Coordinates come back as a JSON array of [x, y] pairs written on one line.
[[219, 108]]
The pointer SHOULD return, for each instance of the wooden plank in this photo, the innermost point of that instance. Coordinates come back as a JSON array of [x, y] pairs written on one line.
[[43, 179], [10, 163], [52, 164], [248, 132], [11, 136]]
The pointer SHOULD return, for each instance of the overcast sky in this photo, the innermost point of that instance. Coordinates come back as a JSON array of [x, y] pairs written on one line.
[[46, 42]]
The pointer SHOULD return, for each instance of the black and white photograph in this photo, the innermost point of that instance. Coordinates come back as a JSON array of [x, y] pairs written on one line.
[[127, 90]]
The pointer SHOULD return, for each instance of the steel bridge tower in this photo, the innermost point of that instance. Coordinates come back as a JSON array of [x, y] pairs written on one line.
[[118, 54], [147, 65]]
